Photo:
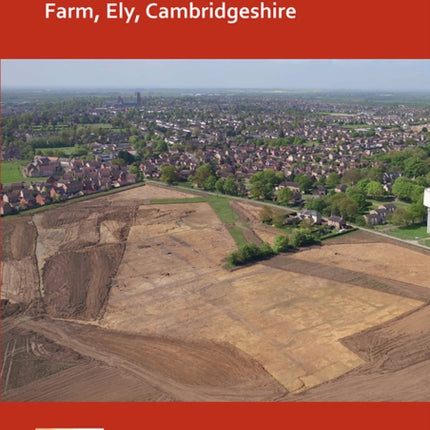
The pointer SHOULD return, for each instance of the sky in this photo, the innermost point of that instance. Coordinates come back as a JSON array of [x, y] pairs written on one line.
[[413, 75]]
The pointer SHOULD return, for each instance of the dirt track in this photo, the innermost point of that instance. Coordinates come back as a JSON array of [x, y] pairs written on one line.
[[152, 310], [166, 368]]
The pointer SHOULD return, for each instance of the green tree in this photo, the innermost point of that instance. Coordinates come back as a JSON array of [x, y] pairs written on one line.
[[230, 186], [281, 243], [399, 217], [263, 183], [219, 186], [118, 162], [417, 193], [285, 196], [362, 184], [358, 195], [266, 214], [301, 237], [343, 205], [126, 156], [202, 173], [266, 250], [352, 176], [305, 182], [318, 204], [306, 224], [161, 147], [416, 167], [375, 189], [402, 188], [298, 238], [278, 218], [259, 190], [135, 170], [333, 179], [375, 174], [249, 251], [417, 212], [209, 183], [169, 174], [27, 152]]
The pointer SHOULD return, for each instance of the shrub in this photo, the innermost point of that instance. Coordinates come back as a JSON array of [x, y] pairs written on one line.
[[281, 243], [266, 250], [302, 238], [250, 252]]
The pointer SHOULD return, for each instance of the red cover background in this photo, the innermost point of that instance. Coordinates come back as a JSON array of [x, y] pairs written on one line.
[[323, 29]]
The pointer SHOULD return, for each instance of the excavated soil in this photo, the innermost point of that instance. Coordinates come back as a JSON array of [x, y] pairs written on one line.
[[77, 283], [119, 292], [397, 364]]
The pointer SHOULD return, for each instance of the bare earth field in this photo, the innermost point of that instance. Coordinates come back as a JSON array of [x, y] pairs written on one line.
[[118, 292]]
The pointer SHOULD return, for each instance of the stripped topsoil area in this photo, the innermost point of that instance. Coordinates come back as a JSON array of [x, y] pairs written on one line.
[[118, 292]]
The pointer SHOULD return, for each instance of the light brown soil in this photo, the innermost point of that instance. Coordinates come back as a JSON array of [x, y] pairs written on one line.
[[126, 367], [249, 213], [397, 367], [118, 292], [19, 266]]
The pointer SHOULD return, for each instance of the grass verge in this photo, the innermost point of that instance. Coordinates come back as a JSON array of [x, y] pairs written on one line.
[[411, 232], [11, 171], [221, 205], [238, 236]]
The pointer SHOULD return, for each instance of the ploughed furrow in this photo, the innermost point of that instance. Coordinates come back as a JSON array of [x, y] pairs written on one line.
[[395, 344], [77, 283], [88, 382], [360, 279], [397, 367], [167, 369], [29, 357], [18, 237], [19, 275]]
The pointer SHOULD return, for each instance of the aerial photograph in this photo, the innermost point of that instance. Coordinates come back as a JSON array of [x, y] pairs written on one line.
[[215, 230]]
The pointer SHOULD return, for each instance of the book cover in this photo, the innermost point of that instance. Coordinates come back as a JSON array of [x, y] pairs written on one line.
[[225, 41]]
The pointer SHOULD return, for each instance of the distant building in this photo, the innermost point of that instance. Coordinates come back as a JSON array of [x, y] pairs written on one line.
[[43, 166], [314, 216], [337, 222]]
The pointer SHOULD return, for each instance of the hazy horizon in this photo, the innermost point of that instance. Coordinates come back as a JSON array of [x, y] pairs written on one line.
[[287, 75]]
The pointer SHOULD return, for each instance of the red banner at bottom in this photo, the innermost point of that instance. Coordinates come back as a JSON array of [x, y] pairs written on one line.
[[125, 416]]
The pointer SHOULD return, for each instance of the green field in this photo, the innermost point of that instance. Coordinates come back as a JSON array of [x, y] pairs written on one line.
[[11, 171], [238, 236], [68, 150], [355, 126], [310, 144], [93, 127], [80, 127], [411, 232]]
